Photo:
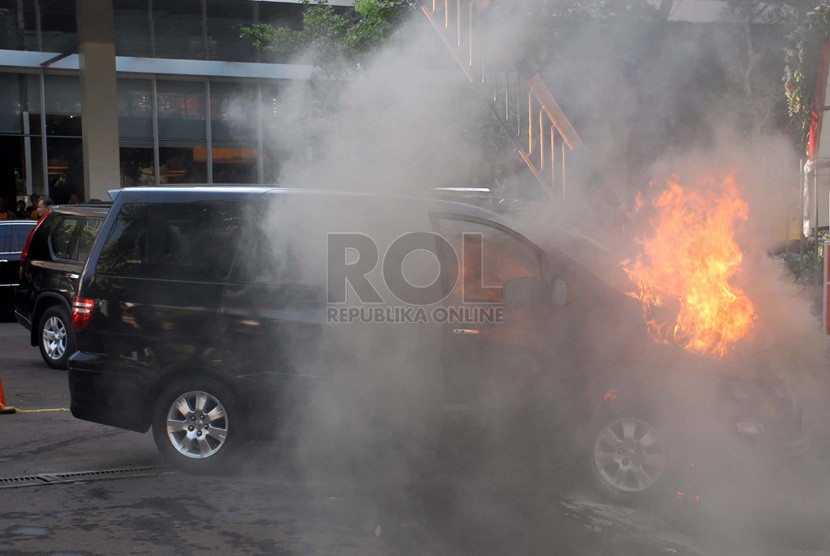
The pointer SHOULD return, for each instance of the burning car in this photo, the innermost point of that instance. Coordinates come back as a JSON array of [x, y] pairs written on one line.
[[676, 388], [218, 315]]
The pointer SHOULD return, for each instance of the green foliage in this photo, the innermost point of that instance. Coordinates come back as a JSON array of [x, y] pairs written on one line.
[[802, 68], [329, 38], [807, 267]]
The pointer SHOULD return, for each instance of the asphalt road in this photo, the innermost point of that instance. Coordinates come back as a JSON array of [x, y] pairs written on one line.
[[71, 487]]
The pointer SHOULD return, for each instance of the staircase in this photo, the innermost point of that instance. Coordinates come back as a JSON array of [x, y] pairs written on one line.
[[517, 96]]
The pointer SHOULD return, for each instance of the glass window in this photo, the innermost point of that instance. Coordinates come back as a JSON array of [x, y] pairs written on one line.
[[11, 38], [224, 20], [135, 108], [280, 14], [88, 234], [233, 113], [20, 234], [273, 159], [137, 164], [234, 163], [491, 257], [30, 34], [5, 238], [10, 103], [60, 241], [13, 169], [178, 29], [58, 29], [132, 29], [183, 164], [63, 106], [66, 168], [181, 110], [174, 241]]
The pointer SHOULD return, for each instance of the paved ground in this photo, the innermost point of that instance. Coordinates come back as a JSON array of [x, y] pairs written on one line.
[[271, 507]]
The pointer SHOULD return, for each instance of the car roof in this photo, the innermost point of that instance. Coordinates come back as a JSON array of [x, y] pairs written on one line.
[[183, 193], [26, 221], [95, 209]]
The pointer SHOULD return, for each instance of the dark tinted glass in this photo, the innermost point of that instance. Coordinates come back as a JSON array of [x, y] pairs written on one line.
[[175, 241], [10, 103], [60, 242], [224, 21], [132, 30], [20, 234], [88, 234], [178, 29], [5, 235]]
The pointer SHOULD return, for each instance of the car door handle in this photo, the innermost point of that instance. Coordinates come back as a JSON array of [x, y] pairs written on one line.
[[3, 261], [466, 331], [72, 275]]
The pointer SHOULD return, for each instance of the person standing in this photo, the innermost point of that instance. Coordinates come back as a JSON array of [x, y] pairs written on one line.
[[5, 213], [21, 209], [33, 199]]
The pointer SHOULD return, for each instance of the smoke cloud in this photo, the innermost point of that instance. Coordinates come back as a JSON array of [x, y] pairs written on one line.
[[650, 105]]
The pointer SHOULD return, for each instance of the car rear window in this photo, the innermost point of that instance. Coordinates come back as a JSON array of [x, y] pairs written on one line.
[[89, 232], [60, 241], [193, 241]]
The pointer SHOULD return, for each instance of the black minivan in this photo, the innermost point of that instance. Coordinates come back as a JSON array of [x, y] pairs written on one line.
[[212, 315]]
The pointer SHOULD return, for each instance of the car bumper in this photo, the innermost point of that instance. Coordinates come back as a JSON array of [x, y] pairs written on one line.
[[108, 398]]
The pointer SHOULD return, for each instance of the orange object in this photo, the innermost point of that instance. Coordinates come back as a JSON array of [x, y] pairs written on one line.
[[3, 407]]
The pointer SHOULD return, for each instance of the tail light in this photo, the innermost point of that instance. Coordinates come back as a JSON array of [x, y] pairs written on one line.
[[81, 312]]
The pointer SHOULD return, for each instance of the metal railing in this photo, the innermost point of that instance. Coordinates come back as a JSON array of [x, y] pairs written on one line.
[[541, 133]]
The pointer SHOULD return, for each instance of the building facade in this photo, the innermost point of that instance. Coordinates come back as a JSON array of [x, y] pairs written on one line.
[[96, 94]]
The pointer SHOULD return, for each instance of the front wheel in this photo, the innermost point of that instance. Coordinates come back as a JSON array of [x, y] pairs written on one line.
[[197, 425], [628, 456], [55, 337]]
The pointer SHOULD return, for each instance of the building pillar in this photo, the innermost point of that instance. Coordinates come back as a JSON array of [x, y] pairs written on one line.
[[99, 100]]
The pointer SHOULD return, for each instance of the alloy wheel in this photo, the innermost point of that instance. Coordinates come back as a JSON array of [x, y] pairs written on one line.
[[54, 338], [197, 425], [629, 455]]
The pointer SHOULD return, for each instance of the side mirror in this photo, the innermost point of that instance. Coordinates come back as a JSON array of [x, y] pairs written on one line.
[[560, 292]]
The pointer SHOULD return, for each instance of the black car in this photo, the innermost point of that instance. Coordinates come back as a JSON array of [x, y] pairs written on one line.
[[217, 314], [13, 234], [210, 314], [51, 265]]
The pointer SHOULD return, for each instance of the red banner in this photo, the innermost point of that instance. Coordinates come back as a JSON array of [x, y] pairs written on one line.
[[818, 100]]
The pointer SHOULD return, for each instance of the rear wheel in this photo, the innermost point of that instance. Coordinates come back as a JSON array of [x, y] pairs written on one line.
[[197, 425], [55, 337]]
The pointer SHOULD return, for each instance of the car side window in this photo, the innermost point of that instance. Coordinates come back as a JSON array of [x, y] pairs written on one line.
[[89, 232], [60, 240], [19, 236], [5, 239], [498, 257], [192, 241]]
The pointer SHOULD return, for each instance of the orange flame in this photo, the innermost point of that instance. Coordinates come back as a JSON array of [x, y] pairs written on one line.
[[686, 265]]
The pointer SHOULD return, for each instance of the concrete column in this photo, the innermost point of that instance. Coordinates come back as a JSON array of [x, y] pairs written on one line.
[[99, 101]]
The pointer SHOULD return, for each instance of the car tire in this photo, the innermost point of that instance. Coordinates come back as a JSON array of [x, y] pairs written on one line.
[[197, 424], [55, 337], [628, 454]]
